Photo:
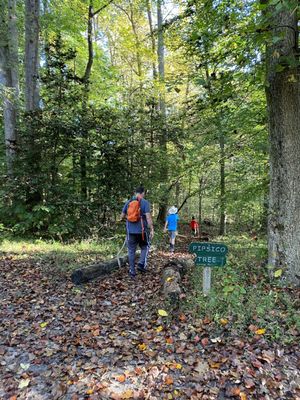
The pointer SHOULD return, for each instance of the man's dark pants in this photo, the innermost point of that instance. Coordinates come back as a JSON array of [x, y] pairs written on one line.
[[143, 241]]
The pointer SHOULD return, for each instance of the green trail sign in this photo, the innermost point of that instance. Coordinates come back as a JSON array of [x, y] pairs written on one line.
[[209, 254]]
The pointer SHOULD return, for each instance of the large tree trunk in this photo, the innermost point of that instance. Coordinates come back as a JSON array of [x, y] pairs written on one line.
[[283, 98], [9, 78], [32, 98]]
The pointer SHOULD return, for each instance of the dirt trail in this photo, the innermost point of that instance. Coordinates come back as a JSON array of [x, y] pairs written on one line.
[[105, 340]]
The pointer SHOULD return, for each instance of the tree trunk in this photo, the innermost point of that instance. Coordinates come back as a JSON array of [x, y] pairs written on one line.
[[86, 80], [9, 78], [222, 185], [200, 203], [138, 46], [162, 108], [149, 14], [283, 99], [177, 194], [32, 96]]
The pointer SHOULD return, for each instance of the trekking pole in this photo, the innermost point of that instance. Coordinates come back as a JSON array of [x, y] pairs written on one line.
[[118, 258]]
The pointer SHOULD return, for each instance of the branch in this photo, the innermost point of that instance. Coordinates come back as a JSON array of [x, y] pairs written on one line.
[[188, 197], [102, 8]]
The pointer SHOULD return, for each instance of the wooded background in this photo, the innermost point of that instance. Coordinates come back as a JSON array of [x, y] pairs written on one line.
[[101, 96]]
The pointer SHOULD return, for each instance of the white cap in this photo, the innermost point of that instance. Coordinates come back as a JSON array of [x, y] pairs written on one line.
[[173, 210]]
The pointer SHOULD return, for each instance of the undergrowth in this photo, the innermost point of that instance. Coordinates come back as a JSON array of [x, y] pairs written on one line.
[[63, 256], [243, 297]]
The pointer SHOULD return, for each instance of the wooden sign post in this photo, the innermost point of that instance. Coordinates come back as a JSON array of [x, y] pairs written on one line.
[[208, 255]]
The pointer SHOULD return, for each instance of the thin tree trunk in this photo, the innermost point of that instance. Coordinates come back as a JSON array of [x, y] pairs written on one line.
[[162, 108], [32, 96], [138, 46], [283, 99], [200, 203], [177, 193], [222, 185], [161, 67], [86, 80], [149, 14]]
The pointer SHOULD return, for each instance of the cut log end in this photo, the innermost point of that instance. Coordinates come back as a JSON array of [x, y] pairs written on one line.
[[171, 278]]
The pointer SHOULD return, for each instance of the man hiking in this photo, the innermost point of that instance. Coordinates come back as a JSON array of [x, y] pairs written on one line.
[[139, 227]]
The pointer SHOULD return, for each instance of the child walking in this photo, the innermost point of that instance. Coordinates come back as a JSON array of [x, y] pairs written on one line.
[[171, 226], [194, 226]]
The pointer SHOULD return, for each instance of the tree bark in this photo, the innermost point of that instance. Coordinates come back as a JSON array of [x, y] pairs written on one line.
[[162, 108], [149, 14], [86, 81], [9, 78], [32, 96], [94, 271], [172, 273], [283, 100], [222, 185], [200, 204]]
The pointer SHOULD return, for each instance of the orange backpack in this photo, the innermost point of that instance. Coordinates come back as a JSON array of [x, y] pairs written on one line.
[[134, 210]]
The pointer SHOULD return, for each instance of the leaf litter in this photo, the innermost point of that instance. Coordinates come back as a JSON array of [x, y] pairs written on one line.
[[112, 339]]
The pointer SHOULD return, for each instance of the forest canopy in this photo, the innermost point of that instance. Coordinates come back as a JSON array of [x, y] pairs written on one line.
[[111, 94]]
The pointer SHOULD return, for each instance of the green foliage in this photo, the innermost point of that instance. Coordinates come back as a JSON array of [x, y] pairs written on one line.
[[93, 141], [243, 294]]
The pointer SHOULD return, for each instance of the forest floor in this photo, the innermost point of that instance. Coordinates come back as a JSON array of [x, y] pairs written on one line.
[[106, 340]]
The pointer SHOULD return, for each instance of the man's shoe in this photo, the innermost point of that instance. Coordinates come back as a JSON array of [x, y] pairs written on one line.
[[141, 268], [132, 275]]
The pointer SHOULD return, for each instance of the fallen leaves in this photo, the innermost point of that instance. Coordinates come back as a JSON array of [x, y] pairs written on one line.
[[223, 321], [268, 356], [23, 383], [278, 273], [169, 380], [162, 313], [128, 394], [249, 383], [112, 342], [121, 378], [205, 341], [261, 331], [24, 366], [142, 346]]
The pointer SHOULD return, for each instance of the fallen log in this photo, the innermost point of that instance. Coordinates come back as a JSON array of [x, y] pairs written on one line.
[[173, 271], [94, 271]]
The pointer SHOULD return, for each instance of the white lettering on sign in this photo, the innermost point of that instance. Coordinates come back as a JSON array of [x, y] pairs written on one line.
[[209, 249], [207, 260]]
